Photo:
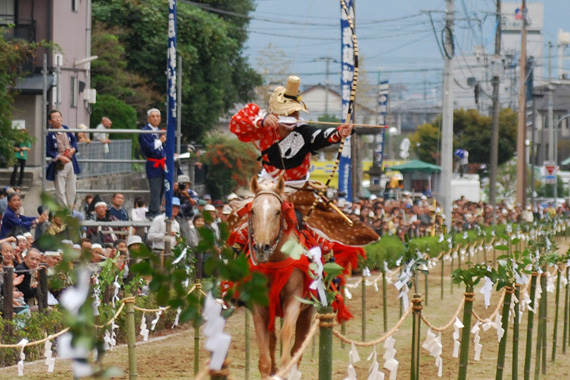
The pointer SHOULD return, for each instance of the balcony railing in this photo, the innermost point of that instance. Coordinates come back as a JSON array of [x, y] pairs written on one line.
[[18, 29]]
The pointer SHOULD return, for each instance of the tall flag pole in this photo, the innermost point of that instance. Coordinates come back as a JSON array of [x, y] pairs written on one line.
[[347, 64], [384, 94], [171, 119]]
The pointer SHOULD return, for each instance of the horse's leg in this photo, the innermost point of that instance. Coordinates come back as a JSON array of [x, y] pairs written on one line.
[[303, 326], [291, 310], [272, 344], [261, 321]]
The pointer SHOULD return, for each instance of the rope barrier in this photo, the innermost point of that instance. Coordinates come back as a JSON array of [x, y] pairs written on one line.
[[37, 342], [492, 316], [377, 341], [447, 325]]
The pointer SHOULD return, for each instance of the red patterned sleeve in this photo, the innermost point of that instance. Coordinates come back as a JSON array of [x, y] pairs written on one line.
[[246, 124]]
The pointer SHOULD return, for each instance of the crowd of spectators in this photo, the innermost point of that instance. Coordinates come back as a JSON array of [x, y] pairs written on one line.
[[20, 235], [417, 216]]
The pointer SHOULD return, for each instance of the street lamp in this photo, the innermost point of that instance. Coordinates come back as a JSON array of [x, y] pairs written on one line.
[[556, 157]]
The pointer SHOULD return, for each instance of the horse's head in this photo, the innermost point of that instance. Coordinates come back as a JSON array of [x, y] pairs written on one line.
[[265, 221]]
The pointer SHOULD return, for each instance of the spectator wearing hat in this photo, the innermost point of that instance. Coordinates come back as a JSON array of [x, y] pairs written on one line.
[[200, 206], [219, 205], [63, 168], [207, 198], [211, 221], [13, 222], [103, 234], [188, 199], [152, 145], [157, 231]]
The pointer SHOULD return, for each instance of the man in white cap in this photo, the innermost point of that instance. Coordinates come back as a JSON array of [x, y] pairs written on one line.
[[102, 234], [157, 231]]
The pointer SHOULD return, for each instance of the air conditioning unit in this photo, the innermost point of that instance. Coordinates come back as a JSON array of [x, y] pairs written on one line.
[[90, 95]]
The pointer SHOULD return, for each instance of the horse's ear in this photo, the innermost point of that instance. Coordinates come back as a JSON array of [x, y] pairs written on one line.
[[253, 185], [280, 186]]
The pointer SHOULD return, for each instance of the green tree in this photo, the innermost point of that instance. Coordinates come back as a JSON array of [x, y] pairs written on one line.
[[547, 190], [471, 131], [231, 164], [122, 115], [216, 76], [110, 74], [13, 55]]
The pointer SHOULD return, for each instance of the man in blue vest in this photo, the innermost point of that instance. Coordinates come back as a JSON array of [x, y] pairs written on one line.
[[152, 145], [63, 168]]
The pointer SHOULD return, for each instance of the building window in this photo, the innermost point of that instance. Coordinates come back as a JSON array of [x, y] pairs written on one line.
[[7, 12], [73, 92], [75, 5]]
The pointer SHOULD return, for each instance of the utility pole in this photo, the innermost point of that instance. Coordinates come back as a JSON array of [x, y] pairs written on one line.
[[495, 126], [551, 138], [521, 128], [328, 61], [447, 115]]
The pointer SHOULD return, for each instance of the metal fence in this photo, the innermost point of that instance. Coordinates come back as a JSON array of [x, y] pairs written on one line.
[[116, 150]]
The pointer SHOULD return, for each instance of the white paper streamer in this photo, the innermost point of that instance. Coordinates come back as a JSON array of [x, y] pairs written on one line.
[[144, 329], [50, 362], [486, 291], [218, 342], [477, 346], [156, 319], [456, 327], [22, 345], [498, 324], [351, 373], [317, 284], [177, 318], [353, 354], [391, 364], [435, 348]]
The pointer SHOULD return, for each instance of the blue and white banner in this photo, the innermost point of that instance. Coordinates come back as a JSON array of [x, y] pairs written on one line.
[[171, 112], [383, 97], [347, 75]]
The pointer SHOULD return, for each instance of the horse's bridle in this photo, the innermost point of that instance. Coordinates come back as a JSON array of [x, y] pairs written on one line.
[[250, 226]]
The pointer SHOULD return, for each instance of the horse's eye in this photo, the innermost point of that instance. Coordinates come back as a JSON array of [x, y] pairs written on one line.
[[278, 212], [252, 212]]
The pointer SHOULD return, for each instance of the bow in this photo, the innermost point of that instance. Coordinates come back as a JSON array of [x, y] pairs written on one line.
[[350, 109]]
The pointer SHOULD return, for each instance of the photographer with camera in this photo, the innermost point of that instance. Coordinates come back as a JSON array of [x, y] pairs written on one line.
[[188, 199]]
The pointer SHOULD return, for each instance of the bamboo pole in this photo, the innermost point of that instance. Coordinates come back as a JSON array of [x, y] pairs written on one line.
[[450, 272], [557, 300], [539, 339], [326, 343], [564, 336], [131, 338], [465, 333], [531, 307], [442, 270], [426, 287], [505, 326], [363, 308], [417, 314], [545, 320], [516, 327], [384, 302], [247, 344]]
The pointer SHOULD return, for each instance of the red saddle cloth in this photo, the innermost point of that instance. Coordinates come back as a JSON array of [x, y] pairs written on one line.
[[278, 273]]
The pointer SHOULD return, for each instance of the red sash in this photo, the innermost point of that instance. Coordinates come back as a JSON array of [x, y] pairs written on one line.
[[158, 162]]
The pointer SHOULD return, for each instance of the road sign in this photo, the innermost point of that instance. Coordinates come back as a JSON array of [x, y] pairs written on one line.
[[549, 174]]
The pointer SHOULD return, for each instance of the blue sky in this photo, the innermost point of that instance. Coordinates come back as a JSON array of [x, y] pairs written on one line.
[[392, 35]]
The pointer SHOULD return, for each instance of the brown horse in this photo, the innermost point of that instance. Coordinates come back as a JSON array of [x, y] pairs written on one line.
[[268, 230]]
